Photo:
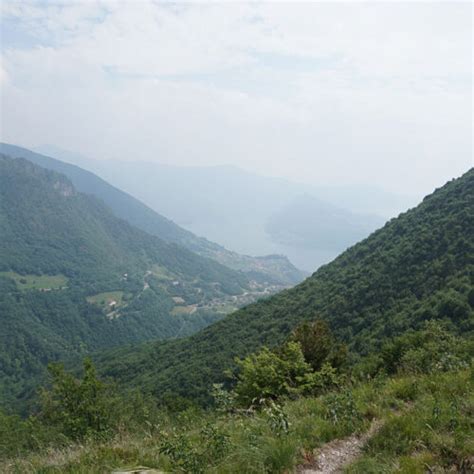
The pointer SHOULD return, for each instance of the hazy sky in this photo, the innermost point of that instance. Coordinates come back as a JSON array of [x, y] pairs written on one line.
[[330, 93]]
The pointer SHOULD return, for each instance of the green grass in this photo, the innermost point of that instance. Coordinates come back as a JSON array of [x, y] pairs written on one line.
[[224, 308], [161, 272], [104, 299], [426, 427], [183, 310], [436, 434], [37, 282]]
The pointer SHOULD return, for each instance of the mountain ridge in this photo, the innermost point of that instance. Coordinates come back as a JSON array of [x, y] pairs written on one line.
[[247, 212], [277, 271], [418, 266], [76, 278]]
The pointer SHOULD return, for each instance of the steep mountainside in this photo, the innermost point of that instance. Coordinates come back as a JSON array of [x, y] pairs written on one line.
[[75, 278], [419, 266], [274, 269]]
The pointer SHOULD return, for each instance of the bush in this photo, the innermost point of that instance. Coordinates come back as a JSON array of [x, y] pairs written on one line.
[[193, 456], [326, 379], [79, 407], [268, 374], [432, 349], [341, 409], [224, 400], [305, 365], [18, 436], [277, 418]]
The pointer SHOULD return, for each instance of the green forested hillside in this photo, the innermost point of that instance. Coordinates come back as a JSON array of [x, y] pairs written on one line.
[[419, 266], [403, 300], [75, 278], [274, 269]]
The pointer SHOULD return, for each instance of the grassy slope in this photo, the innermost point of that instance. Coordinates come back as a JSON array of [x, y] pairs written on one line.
[[427, 423], [418, 266]]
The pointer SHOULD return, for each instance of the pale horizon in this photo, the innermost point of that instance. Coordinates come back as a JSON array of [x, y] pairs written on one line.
[[334, 94]]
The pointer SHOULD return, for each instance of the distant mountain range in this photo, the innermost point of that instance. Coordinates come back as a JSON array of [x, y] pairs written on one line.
[[418, 267], [306, 220], [271, 269], [251, 214]]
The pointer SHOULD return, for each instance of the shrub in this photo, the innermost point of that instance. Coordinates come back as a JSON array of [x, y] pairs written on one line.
[[326, 379], [194, 455], [277, 418], [432, 349], [223, 399], [268, 374], [79, 407], [288, 370], [341, 409]]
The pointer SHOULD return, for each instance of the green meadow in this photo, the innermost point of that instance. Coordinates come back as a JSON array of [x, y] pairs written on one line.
[[37, 282]]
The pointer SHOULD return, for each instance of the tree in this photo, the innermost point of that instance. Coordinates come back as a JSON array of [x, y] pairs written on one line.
[[319, 345], [80, 407]]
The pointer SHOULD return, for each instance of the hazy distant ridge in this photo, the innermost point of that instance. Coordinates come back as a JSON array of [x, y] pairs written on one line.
[[275, 270], [252, 214]]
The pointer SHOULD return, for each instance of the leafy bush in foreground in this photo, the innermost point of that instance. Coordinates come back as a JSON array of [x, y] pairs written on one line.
[[300, 366], [271, 374], [80, 407]]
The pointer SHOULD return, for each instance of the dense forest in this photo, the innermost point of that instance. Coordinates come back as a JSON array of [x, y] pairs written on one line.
[[74, 278], [373, 351], [418, 267], [273, 269], [299, 407]]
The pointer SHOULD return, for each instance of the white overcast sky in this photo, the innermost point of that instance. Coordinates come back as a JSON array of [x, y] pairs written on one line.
[[333, 93]]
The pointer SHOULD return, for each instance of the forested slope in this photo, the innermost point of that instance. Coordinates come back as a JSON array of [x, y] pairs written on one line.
[[275, 269], [419, 266], [75, 278]]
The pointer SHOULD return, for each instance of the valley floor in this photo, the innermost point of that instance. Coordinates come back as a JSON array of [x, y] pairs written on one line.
[[410, 424]]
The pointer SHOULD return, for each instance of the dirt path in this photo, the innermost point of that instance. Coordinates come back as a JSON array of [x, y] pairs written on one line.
[[145, 283], [338, 454]]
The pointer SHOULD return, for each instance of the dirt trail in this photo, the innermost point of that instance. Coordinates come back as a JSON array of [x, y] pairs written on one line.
[[333, 457]]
